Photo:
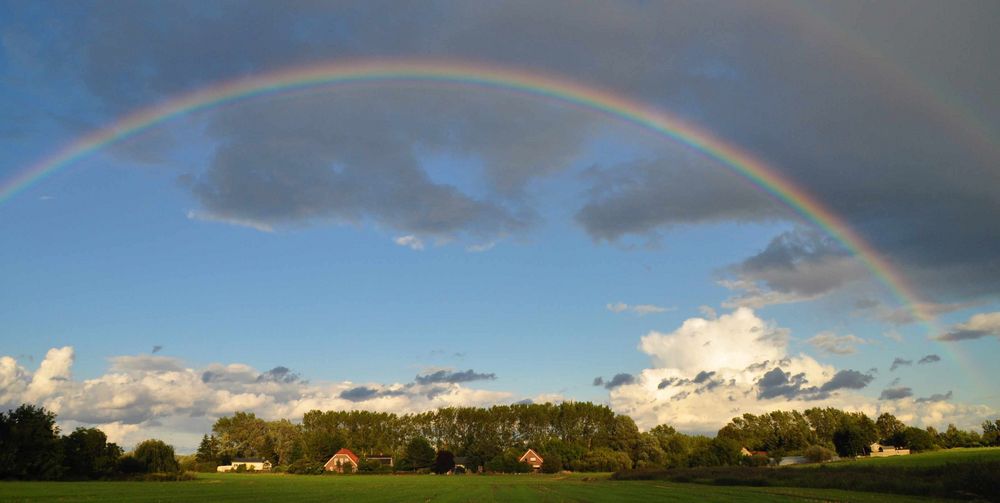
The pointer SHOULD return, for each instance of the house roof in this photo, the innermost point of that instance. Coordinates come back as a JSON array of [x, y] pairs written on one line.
[[349, 453], [249, 460], [530, 451]]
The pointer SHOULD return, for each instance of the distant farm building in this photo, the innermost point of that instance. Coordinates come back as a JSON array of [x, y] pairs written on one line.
[[532, 458], [381, 459], [883, 451], [747, 452], [792, 460], [344, 459], [248, 464], [465, 464]]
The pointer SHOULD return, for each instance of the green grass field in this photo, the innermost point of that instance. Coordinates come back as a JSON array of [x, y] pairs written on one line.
[[473, 488], [934, 458]]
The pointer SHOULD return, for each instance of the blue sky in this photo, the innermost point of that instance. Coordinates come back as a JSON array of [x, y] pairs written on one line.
[[303, 246]]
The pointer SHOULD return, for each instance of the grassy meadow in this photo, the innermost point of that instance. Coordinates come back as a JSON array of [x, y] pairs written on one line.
[[953, 473], [423, 488], [932, 458], [723, 484]]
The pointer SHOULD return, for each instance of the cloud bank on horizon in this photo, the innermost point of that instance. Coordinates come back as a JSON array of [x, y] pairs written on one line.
[[750, 370]]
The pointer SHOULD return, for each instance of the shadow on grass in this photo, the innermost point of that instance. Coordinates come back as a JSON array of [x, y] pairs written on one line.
[[966, 480]]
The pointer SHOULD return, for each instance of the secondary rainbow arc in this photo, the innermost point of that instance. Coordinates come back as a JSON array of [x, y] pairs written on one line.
[[736, 159]]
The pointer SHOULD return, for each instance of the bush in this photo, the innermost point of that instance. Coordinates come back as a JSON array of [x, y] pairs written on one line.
[[443, 463], [130, 465], [404, 465], [507, 462], [603, 460], [552, 463], [718, 452], [818, 454], [756, 460], [305, 467]]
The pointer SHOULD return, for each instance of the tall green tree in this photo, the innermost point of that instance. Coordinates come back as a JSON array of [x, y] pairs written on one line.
[[88, 454], [156, 456], [888, 427], [419, 453], [850, 440], [208, 450], [243, 435], [30, 446]]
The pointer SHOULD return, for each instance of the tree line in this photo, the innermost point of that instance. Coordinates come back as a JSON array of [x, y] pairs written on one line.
[[31, 448], [578, 436]]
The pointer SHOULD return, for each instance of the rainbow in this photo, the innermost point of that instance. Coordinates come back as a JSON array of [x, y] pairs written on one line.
[[862, 56], [470, 74]]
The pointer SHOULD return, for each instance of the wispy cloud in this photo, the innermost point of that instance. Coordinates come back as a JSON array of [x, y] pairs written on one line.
[[445, 376], [834, 344], [639, 309], [410, 241], [899, 362]]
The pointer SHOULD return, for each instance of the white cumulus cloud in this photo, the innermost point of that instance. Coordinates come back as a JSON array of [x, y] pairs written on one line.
[[710, 370]]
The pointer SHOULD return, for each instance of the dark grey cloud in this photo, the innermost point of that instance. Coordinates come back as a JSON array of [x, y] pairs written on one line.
[[644, 197], [703, 376], [936, 397], [362, 393], [359, 394], [965, 335], [800, 264], [778, 383], [896, 393], [978, 326], [896, 170], [757, 367], [899, 362], [703, 379], [866, 303], [929, 359], [666, 383], [278, 374], [449, 377], [156, 349], [619, 380], [847, 379], [598, 381], [358, 159]]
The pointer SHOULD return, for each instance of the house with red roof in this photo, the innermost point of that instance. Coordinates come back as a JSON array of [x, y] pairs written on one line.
[[344, 459], [532, 458]]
